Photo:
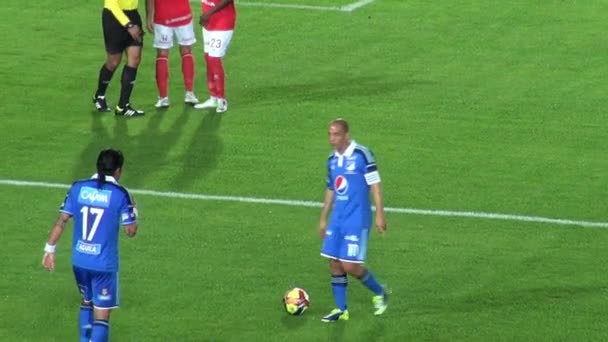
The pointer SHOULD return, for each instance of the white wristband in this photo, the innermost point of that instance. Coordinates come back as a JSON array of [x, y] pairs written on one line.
[[49, 248]]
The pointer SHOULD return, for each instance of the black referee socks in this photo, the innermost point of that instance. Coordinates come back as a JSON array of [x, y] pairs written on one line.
[[127, 81]]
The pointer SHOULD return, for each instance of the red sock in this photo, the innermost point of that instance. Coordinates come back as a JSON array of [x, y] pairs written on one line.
[[188, 70], [210, 78], [218, 76], [162, 75]]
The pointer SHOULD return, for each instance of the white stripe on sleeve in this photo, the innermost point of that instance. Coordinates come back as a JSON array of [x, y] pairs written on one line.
[[372, 177]]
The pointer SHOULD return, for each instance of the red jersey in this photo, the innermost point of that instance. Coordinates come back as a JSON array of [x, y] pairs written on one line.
[[172, 13], [222, 20]]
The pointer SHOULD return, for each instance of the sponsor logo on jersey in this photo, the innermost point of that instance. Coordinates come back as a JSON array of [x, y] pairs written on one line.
[[341, 185], [88, 248], [94, 197]]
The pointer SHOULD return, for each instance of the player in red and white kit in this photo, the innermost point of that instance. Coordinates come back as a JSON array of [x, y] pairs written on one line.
[[166, 19], [218, 21]]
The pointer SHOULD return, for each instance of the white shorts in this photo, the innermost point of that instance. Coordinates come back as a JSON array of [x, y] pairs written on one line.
[[217, 42], [163, 35]]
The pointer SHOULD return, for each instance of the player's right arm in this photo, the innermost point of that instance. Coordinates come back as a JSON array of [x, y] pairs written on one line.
[[327, 205], [66, 211], [48, 259], [150, 15], [328, 202]]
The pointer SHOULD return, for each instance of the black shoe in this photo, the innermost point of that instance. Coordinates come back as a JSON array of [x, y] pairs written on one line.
[[128, 111], [100, 104]]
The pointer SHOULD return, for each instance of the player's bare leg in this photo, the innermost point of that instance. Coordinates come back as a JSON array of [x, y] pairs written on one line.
[[101, 325], [188, 73], [105, 76], [162, 77], [339, 284], [359, 271]]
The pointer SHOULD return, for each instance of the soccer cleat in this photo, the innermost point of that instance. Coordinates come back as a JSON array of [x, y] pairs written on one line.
[[163, 102], [190, 98], [209, 104], [128, 111], [380, 302], [100, 104], [336, 315], [222, 106]]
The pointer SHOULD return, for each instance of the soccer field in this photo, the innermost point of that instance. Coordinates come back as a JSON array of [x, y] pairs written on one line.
[[474, 109]]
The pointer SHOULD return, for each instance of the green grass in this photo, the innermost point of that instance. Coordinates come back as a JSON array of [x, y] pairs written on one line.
[[468, 105]]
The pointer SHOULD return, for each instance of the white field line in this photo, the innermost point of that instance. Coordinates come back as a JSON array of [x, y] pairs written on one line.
[[356, 5], [299, 203], [293, 6], [346, 8]]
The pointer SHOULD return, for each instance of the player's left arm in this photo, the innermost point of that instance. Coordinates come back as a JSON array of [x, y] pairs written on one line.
[[372, 177], [48, 259], [128, 215], [376, 190], [205, 16]]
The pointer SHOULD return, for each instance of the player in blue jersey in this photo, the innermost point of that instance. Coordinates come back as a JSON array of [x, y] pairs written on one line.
[[99, 206], [352, 173]]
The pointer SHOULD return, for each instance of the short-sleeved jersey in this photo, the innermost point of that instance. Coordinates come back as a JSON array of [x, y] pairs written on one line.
[[98, 214], [222, 20], [349, 177], [117, 7], [172, 13]]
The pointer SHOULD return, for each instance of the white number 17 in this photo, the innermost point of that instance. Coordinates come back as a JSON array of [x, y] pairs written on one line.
[[97, 212]]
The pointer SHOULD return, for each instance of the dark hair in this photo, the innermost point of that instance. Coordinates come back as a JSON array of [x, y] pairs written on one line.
[[340, 122], [108, 162]]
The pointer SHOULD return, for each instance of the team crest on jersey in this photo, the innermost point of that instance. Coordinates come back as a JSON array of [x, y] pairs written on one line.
[[105, 295], [341, 185]]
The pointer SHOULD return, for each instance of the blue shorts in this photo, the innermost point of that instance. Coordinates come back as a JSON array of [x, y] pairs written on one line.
[[101, 288], [345, 244]]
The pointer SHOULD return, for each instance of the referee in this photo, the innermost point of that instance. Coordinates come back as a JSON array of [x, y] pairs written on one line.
[[122, 32]]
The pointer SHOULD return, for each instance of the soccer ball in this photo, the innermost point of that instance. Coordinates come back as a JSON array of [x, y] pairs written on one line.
[[296, 301]]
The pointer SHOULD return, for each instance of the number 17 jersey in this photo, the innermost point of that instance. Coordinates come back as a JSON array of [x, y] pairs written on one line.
[[98, 214]]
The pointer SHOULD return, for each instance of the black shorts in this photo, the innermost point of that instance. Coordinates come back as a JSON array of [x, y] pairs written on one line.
[[116, 36]]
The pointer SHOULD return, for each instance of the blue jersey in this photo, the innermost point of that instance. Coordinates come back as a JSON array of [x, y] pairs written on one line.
[[349, 177], [98, 214]]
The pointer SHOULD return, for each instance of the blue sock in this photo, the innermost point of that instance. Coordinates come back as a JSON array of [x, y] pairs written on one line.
[[371, 283], [101, 330], [339, 284], [85, 322]]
